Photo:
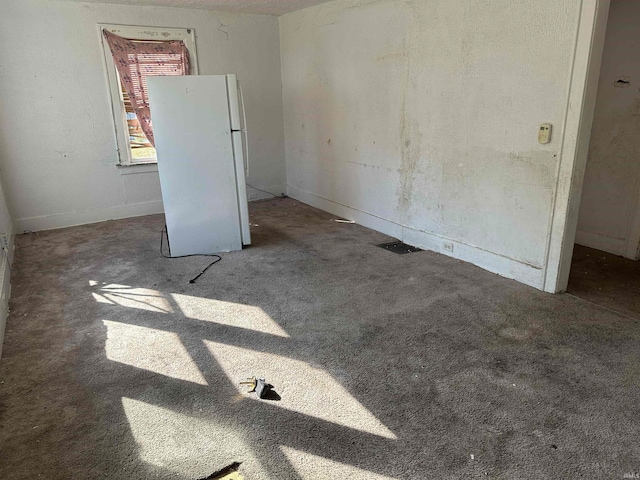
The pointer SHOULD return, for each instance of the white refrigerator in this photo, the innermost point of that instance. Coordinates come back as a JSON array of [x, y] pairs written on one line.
[[200, 135]]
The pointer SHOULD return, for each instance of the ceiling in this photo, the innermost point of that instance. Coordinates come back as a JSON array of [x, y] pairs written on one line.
[[267, 7]]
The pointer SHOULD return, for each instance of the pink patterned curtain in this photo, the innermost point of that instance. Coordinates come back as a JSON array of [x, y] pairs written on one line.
[[136, 60]]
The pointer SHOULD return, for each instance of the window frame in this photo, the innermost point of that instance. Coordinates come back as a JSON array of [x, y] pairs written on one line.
[[137, 32]]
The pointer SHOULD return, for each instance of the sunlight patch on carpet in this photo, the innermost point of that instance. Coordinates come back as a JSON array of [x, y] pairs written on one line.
[[150, 349], [131, 297], [185, 444], [303, 388], [228, 313]]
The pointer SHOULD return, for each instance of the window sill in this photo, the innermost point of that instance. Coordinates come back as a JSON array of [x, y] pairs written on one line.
[[132, 168]]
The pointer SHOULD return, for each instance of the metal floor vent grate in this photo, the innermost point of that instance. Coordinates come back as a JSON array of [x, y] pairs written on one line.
[[399, 247]]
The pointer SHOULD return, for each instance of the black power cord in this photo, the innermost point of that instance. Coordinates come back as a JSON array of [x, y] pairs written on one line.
[[193, 280]]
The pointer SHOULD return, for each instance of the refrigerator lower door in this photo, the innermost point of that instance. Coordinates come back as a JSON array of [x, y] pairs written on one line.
[[196, 164], [243, 205]]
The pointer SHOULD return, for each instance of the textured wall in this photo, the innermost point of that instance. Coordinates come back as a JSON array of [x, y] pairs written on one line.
[[609, 210], [57, 146], [420, 119]]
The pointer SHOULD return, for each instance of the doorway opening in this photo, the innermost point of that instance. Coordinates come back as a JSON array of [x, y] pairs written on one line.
[[605, 267]]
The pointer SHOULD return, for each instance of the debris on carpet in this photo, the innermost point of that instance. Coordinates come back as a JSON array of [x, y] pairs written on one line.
[[229, 472], [261, 387]]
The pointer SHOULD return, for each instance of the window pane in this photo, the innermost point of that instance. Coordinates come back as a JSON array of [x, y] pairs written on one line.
[[140, 147]]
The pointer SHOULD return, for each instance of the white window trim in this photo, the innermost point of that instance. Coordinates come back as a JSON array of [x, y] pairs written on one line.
[[187, 35]]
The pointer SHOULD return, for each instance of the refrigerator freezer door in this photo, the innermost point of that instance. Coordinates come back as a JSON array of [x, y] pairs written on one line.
[[191, 124], [242, 188]]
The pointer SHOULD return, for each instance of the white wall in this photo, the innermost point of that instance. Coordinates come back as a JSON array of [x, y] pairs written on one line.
[[420, 119], [57, 145], [609, 214]]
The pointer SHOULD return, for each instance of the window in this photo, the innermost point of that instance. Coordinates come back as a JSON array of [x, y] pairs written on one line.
[[133, 146]]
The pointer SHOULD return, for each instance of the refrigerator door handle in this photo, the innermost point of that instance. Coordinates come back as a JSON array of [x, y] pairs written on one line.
[[244, 131], [246, 147]]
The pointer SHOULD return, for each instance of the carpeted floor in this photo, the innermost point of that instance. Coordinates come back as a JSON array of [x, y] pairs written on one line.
[[606, 279], [411, 366]]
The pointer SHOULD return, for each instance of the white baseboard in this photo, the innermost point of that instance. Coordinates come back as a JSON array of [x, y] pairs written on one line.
[[264, 193], [598, 241], [523, 272], [4, 310], [5, 287], [71, 219], [83, 217]]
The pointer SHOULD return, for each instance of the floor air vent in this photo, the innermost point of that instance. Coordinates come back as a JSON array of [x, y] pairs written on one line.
[[399, 247]]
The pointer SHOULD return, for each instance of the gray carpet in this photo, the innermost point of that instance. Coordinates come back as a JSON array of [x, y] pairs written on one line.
[[411, 366], [605, 279]]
